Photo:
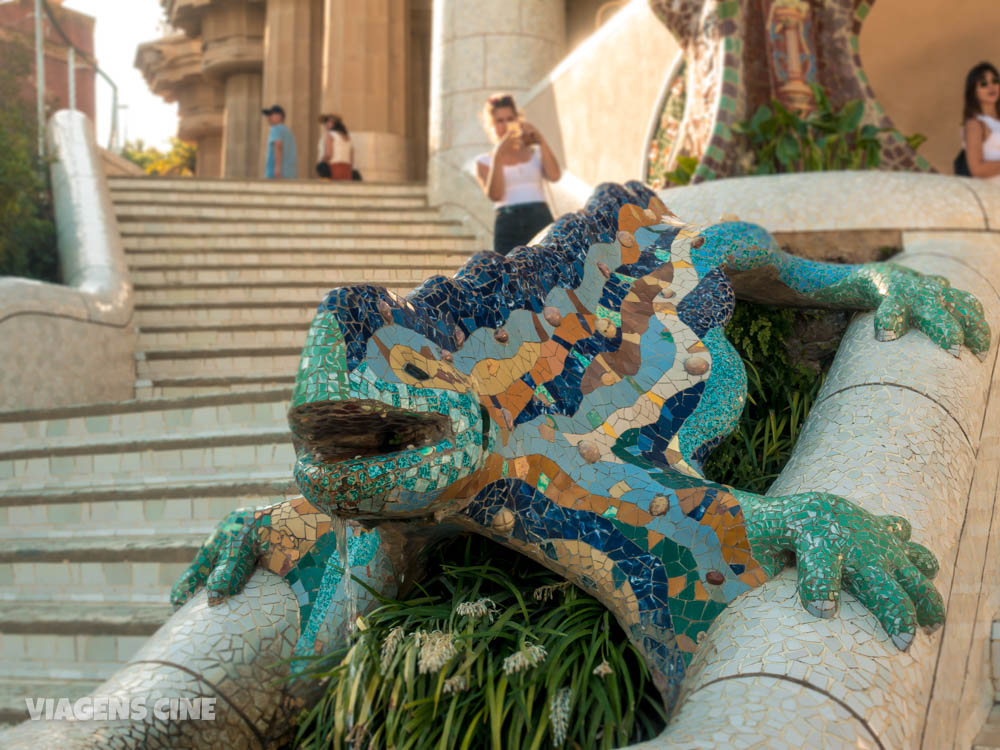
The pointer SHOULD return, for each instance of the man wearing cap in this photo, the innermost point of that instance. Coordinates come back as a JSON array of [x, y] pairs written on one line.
[[282, 158]]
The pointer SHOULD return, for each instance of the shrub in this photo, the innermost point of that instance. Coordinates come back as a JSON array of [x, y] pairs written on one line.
[[179, 161], [493, 652], [781, 388], [27, 230]]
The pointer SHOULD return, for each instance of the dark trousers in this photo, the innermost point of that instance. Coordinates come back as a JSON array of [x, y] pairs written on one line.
[[516, 225]]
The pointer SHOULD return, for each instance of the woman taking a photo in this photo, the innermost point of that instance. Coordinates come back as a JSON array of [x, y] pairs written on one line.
[[981, 123], [511, 174]]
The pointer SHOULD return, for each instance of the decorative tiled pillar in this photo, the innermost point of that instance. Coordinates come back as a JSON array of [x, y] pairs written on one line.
[[292, 48], [478, 49], [364, 73]]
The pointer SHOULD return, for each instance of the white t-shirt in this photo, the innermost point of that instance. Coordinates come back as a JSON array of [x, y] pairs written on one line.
[[522, 182]]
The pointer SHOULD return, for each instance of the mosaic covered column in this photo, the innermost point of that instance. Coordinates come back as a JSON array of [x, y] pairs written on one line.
[[292, 48], [478, 49], [232, 42], [739, 55], [364, 73]]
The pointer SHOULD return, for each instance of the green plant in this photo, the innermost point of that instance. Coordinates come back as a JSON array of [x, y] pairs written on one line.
[[27, 231], [179, 161], [780, 393], [683, 172], [494, 652], [783, 141]]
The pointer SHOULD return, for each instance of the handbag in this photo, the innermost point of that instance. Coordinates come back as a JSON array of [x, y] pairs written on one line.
[[355, 175], [961, 165]]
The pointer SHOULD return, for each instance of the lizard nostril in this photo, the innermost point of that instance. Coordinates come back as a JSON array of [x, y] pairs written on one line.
[[415, 372]]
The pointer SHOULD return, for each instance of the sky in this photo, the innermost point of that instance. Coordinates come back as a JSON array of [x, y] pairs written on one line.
[[121, 26]]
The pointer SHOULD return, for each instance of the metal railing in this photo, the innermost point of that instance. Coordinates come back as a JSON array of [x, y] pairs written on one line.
[[73, 52]]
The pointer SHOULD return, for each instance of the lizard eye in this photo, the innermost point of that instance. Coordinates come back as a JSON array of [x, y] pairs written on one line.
[[415, 372]]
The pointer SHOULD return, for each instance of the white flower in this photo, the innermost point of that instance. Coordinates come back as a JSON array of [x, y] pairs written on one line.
[[389, 646], [529, 656], [477, 609], [456, 684], [544, 593], [603, 669], [559, 715], [436, 649]]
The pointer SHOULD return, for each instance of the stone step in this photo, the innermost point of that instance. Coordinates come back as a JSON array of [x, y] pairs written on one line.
[[989, 736], [383, 228], [127, 459], [175, 548], [200, 385], [312, 292], [333, 275], [83, 618], [190, 256], [228, 313], [149, 200], [66, 638], [14, 689], [134, 419], [198, 186], [96, 655], [187, 337], [140, 568], [362, 247], [153, 504], [197, 211], [160, 364], [184, 338]]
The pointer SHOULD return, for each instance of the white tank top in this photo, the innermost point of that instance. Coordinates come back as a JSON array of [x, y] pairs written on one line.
[[522, 182], [991, 145], [341, 147]]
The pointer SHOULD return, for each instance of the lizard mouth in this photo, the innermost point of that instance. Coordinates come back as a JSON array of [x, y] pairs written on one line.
[[334, 432]]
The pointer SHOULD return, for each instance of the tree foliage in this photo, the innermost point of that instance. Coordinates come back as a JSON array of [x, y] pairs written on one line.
[[179, 161], [27, 231]]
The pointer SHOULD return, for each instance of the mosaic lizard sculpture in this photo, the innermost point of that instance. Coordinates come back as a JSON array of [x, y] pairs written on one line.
[[562, 401]]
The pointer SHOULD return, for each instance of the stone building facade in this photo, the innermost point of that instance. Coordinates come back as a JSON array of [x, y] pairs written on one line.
[[368, 60], [17, 25]]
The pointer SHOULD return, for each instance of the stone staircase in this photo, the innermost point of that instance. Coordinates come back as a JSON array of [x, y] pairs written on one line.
[[103, 506]]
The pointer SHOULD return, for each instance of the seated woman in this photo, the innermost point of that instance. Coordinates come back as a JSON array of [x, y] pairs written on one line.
[[336, 153], [981, 133], [511, 174]]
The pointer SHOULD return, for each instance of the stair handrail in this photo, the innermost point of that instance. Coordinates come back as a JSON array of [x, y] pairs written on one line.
[[88, 60]]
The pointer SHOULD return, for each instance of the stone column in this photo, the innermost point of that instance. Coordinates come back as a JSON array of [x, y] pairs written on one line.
[[201, 114], [241, 130], [478, 49], [364, 78], [292, 49], [209, 162], [233, 38]]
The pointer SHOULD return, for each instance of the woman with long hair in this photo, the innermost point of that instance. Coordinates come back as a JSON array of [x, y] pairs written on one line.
[[511, 174], [981, 124], [336, 153]]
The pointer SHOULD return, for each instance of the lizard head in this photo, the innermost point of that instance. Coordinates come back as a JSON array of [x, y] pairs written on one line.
[[382, 420]]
